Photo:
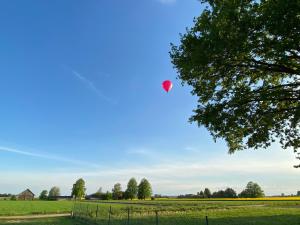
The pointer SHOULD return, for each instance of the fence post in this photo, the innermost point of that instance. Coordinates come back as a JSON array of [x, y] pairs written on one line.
[[97, 211], [73, 209], [128, 214], [156, 215], [206, 219], [109, 215], [87, 210], [80, 211]]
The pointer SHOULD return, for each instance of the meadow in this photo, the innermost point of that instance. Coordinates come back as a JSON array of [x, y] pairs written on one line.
[[190, 212], [284, 211], [12, 208]]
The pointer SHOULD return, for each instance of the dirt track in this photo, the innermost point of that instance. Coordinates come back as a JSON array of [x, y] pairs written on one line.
[[34, 216]]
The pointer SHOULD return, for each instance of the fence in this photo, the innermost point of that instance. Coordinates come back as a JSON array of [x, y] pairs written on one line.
[[98, 214]]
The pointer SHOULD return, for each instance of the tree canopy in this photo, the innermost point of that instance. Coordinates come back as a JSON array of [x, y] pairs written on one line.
[[43, 195], [78, 190], [242, 59], [144, 189], [54, 192], [132, 189], [117, 191], [207, 193], [253, 190]]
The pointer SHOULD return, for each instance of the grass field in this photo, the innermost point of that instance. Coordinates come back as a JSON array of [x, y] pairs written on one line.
[[170, 212], [34, 207], [183, 212]]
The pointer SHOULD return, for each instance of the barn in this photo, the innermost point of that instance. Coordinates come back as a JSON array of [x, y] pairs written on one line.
[[26, 195]]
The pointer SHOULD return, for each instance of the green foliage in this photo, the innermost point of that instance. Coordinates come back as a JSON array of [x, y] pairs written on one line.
[[117, 193], [200, 194], [13, 198], [144, 189], [253, 190], [43, 195], [78, 190], [242, 59], [132, 189], [108, 196], [207, 193], [228, 193], [54, 192], [181, 212]]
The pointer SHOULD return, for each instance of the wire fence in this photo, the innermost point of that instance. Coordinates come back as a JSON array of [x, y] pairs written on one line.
[[98, 214]]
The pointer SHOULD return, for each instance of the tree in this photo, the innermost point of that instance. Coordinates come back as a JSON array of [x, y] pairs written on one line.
[[132, 189], [43, 195], [201, 194], [13, 198], [242, 59], [54, 192], [253, 190], [78, 190], [107, 196], [144, 189], [230, 193], [207, 193], [117, 192]]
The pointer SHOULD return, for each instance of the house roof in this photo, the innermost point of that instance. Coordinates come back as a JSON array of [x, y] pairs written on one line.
[[27, 190]]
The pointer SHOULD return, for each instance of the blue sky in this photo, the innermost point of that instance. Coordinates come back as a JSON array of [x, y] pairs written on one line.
[[81, 96]]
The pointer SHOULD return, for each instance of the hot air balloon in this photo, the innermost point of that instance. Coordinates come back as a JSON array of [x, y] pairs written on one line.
[[167, 85]]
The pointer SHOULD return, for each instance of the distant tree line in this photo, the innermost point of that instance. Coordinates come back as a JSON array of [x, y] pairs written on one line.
[[252, 190], [5, 195], [142, 191], [53, 193]]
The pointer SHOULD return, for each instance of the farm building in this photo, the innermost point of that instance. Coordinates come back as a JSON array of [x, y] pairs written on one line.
[[25, 195]]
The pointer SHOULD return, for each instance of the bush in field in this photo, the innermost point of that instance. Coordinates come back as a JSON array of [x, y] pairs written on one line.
[[43, 195], [144, 189], [13, 198], [253, 190]]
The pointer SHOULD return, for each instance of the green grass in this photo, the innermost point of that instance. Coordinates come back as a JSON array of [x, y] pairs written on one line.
[[192, 213], [10, 208], [176, 212]]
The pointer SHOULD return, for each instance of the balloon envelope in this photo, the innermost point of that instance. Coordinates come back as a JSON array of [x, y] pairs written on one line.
[[167, 85]]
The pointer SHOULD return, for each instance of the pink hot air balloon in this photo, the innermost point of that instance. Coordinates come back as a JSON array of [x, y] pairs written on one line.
[[167, 85]]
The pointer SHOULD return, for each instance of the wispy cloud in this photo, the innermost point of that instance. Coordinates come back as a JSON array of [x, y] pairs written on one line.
[[167, 1], [277, 177], [177, 175], [47, 156], [92, 86], [141, 152]]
